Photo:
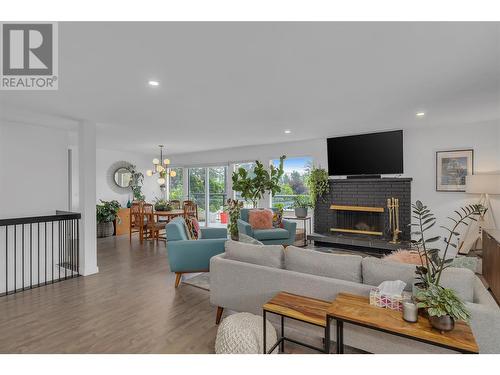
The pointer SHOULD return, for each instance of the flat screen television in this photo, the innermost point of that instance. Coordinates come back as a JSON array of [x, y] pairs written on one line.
[[366, 154]]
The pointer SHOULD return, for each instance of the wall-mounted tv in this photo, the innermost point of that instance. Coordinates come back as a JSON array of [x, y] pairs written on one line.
[[366, 154]]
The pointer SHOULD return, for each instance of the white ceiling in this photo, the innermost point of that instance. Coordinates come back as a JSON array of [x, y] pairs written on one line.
[[231, 84]]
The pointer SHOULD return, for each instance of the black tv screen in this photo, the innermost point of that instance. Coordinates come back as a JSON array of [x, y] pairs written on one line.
[[366, 154]]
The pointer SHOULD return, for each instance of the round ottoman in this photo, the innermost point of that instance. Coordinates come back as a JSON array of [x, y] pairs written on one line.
[[241, 333]]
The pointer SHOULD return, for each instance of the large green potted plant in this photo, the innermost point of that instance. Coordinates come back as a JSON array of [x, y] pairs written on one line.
[[106, 213], [162, 205], [301, 204], [442, 304], [253, 188], [317, 183]]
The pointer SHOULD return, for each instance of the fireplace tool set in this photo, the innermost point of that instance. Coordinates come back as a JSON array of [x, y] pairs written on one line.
[[393, 207]]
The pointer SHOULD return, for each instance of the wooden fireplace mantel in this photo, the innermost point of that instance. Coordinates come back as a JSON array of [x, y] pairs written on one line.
[[357, 208]]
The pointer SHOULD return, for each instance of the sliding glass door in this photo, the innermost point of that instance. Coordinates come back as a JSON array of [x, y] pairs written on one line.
[[217, 195], [207, 188], [197, 190]]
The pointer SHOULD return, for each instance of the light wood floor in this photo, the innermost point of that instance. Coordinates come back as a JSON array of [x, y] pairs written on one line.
[[130, 306]]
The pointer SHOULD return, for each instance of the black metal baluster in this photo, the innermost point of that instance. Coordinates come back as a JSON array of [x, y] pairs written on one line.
[[72, 248], [31, 255], [52, 243], [23, 252], [78, 247], [59, 248], [45, 261], [38, 251], [6, 260], [65, 249], [15, 258]]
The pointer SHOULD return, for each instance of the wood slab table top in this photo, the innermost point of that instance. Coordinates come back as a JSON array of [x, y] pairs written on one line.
[[305, 309], [357, 310]]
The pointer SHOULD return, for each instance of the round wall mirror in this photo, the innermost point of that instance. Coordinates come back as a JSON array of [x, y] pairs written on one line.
[[122, 177]]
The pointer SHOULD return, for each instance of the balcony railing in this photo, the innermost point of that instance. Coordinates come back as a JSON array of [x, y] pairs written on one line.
[[38, 250], [286, 200]]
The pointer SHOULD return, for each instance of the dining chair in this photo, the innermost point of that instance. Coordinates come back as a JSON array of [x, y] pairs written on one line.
[[136, 220], [190, 209], [152, 227]]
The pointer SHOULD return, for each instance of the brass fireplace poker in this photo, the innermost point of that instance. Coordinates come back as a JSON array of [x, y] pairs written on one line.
[[393, 207]]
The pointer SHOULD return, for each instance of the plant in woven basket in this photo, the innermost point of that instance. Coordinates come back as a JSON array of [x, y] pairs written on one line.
[[107, 211], [234, 207]]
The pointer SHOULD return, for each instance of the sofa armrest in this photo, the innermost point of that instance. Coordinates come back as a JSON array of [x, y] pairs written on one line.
[[482, 296], [208, 233], [193, 255], [291, 227], [245, 228]]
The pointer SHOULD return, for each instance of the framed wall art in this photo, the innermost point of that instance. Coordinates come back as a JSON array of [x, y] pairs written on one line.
[[452, 167]]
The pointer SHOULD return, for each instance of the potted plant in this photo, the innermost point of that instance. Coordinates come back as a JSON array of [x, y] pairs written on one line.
[[442, 305], [233, 207], [253, 188], [106, 213], [162, 205], [317, 182], [301, 205], [136, 180]]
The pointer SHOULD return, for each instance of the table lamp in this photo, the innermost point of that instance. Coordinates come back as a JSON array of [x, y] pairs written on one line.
[[486, 185]]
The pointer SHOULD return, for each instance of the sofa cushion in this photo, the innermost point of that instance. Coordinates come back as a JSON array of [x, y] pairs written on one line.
[[242, 237], [261, 219], [375, 271], [271, 234], [337, 266], [263, 255]]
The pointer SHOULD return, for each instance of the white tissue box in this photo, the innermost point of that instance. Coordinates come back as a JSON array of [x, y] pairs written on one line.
[[393, 302]]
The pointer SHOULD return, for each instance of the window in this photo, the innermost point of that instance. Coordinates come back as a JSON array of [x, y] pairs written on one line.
[[249, 168], [176, 187], [293, 182], [197, 178]]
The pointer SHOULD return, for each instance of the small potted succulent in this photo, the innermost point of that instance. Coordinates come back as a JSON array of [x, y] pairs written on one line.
[[301, 205], [106, 213]]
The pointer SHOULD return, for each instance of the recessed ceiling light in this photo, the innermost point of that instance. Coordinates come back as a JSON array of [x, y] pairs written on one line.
[[420, 114], [153, 83], [288, 131]]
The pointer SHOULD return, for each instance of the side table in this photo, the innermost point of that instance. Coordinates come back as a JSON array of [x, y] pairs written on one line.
[[304, 220]]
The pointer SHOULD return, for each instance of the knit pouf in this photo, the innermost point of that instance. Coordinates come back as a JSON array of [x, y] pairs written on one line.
[[242, 334]]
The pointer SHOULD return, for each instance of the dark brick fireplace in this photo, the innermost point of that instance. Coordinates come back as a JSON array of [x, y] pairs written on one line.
[[357, 209]]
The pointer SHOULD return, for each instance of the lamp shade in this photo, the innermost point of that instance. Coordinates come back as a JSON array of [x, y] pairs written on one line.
[[482, 184]]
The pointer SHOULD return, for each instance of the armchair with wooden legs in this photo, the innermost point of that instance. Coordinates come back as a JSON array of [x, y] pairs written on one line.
[[191, 256]]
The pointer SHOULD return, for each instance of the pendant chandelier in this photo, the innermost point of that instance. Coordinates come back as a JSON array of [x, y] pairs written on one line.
[[161, 168]]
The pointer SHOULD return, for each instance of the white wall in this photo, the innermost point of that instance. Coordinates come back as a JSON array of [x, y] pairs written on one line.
[[104, 160], [33, 169], [420, 146]]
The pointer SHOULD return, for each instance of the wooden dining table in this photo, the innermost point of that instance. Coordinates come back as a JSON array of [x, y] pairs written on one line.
[[169, 214]]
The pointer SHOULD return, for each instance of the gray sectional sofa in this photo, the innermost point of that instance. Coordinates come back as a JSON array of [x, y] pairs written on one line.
[[244, 277]]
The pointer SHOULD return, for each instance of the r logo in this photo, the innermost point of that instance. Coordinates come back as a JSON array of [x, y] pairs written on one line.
[[27, 49]]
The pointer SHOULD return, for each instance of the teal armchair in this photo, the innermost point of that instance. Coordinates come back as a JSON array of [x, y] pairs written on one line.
[[275, 236], [188, 256]]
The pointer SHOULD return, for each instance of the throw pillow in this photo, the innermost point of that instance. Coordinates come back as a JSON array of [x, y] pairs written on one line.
[[278, 218], [242, 237], [192, 228], [261, 219]]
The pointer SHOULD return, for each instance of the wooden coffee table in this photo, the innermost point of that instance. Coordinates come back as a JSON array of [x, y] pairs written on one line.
[[303, 309], [352, 309]]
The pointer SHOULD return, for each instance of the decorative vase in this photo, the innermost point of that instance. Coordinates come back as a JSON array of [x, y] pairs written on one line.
[[105, 229], [443, 323], [235, 236], [301, 212]]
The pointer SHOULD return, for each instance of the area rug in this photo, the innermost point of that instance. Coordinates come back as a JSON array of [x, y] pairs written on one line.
[[198, 280]]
